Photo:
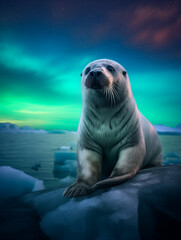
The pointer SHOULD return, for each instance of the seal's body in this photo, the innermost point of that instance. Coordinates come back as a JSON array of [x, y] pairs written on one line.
[[114, 139]]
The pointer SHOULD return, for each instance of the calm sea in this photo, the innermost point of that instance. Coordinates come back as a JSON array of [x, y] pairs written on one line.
[[25, 150]]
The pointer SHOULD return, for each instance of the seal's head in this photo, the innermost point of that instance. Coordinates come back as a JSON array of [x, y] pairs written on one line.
[[105, 77]]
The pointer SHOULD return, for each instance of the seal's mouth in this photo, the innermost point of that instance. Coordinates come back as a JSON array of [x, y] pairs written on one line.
[[96, 86], [96, 80]]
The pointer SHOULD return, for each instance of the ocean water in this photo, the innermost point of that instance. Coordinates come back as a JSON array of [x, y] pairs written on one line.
[[26, 151], [23, 151]]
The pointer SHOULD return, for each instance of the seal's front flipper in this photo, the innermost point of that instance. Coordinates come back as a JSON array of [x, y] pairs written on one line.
[[128, 164], [77, 189], [89, 165]]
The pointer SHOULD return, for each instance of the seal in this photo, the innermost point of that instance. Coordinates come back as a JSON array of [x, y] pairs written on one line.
[[114, 140]]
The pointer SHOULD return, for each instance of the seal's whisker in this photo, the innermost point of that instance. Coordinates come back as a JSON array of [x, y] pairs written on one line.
[[112, 96], [115, 93], [112, 100], [106, 93], [103, 91]]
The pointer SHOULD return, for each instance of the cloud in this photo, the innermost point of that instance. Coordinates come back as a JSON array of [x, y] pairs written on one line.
[[155, 26], [147, 14], [151, 26]]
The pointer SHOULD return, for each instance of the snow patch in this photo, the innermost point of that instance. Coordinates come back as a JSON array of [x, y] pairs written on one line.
[[14, 183]]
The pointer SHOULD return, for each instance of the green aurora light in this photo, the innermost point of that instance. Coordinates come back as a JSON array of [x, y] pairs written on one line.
[[41, 94]]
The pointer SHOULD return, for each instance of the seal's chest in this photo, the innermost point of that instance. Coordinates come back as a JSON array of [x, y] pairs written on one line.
[[104, 134]]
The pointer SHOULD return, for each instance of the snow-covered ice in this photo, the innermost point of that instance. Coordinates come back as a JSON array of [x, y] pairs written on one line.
[[113, 213], [14, 183], [65, 166], [127, 211]]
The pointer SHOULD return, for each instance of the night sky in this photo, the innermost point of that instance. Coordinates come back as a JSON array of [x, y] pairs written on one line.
[[44, 46]]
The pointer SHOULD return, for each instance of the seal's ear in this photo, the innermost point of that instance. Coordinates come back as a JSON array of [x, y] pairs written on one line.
[[81, 74], [124, 73]]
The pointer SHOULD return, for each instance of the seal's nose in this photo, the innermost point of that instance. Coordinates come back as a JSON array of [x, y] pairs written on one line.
[[95, 77], [95, 73]]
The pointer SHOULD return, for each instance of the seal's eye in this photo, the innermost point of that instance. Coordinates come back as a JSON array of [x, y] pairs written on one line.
[[110, 68], [124, 73], [87, 70]]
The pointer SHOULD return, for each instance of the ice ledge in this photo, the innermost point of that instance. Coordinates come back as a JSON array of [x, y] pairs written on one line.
[[145, 207]]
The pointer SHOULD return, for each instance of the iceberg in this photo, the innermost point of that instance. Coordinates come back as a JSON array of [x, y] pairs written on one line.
[[65, 165], [13, 128], [165, 130], [171, 158], [14, 183]]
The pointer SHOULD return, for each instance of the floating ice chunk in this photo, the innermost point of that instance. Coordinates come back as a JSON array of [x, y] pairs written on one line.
[[64, 182], [39, 185], [65, 148], [14, 183], [60, 171], [171, 158], [172, 155], [65, 164], [67, 168], [72, 167], [60, 157]]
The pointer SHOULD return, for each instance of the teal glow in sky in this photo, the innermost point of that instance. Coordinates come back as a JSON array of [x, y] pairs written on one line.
[[44, 46]]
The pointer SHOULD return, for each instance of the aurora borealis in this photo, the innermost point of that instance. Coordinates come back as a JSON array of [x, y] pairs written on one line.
[[44, 45]]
